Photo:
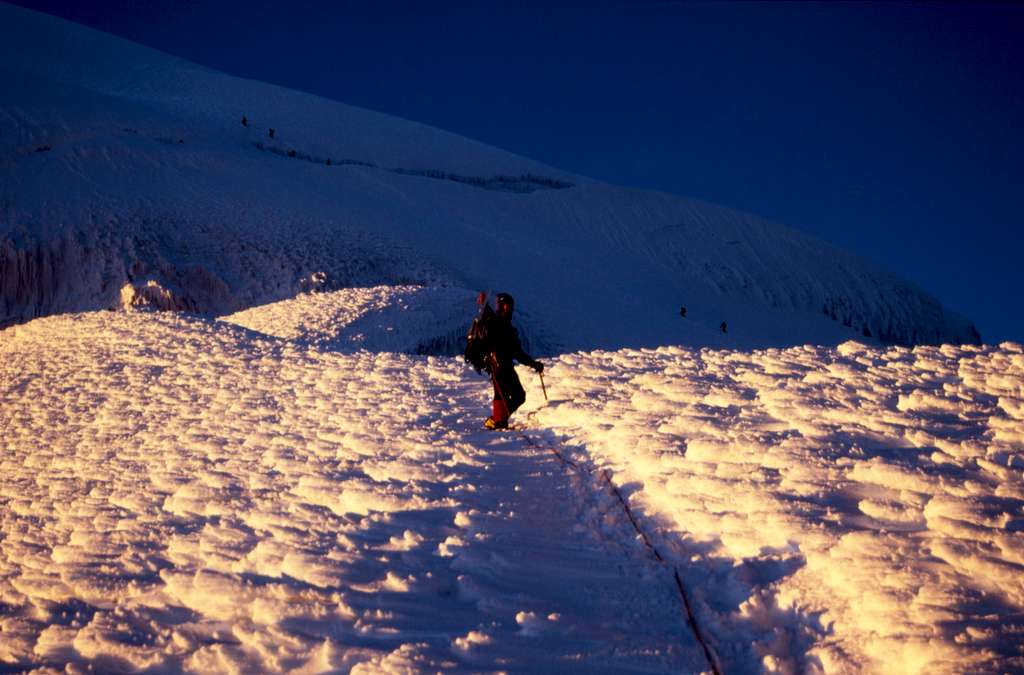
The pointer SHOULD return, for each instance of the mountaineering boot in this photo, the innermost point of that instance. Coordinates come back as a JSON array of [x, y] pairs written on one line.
[[499, 416], [495, 425]]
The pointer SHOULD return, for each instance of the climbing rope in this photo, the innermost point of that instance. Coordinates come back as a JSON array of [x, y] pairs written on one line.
[[691, 617]]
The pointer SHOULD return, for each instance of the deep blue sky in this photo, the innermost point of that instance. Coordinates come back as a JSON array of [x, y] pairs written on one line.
[[893, 130]]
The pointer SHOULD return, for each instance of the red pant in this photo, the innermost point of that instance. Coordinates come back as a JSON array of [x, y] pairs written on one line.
[[508, 394]]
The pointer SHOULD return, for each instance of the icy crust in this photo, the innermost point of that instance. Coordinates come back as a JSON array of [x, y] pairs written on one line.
[[852, 509], [169, 257]]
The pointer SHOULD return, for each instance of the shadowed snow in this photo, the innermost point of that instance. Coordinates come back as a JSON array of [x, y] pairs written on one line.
[[162, 187]]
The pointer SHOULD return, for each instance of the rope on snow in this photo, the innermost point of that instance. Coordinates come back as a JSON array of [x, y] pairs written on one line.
[[691, 617]]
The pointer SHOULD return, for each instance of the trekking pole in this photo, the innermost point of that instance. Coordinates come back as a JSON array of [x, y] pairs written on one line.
[[543, 388]]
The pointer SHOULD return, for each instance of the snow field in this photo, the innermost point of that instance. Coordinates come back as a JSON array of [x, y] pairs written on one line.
[[842, 509], [187, 495]]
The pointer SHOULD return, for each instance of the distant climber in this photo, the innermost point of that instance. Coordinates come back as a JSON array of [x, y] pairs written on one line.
[[725, 328], [245, 121], [270, 132], [492, 345], [682, 312]]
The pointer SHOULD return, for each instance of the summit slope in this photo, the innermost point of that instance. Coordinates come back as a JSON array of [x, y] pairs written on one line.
[[127, 171]]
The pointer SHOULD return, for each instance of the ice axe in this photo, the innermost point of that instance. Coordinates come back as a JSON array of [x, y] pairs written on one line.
[[542, 387]]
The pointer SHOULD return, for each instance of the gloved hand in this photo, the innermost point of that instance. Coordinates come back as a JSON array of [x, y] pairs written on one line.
[[538, 366]]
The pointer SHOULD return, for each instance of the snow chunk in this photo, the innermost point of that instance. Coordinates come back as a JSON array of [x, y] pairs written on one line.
[[472, 639]]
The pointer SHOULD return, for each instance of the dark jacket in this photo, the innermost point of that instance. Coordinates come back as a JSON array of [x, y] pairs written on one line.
[[504, 340]]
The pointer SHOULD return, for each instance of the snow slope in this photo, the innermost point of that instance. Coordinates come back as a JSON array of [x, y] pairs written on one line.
[[185, 495], [190, 495], [127, 177]]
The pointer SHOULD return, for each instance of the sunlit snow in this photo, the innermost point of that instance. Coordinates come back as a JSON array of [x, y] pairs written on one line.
[[190, 494], [185, 494], [860, 506]]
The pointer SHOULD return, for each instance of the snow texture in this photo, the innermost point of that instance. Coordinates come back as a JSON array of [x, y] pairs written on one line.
[[849, 509], [127, 177], [189, 495], [184, 495]]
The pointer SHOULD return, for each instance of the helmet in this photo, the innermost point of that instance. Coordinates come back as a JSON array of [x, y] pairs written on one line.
[[505, 304]]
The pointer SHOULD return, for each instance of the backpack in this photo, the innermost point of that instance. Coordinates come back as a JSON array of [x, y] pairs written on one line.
[[478, 346]]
